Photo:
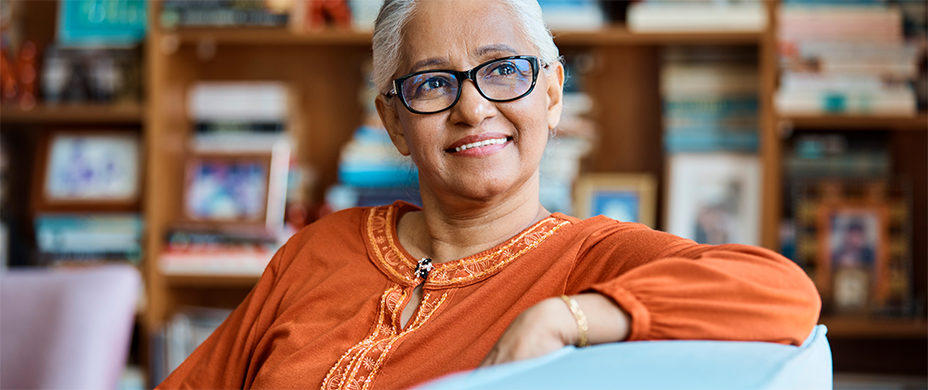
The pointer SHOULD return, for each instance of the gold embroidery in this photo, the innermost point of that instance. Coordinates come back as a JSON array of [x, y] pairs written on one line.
[[358, 366], [379, 229]]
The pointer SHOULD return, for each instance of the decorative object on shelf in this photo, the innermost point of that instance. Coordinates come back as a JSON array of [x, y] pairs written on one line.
[[853, 239], [19, 73], [225, 13], [76, 75], [623, 197], [102, 23], [317, 15], [845, 59], [714, 198], [697, 16], [88, 238], [81, 170], [248, 189]]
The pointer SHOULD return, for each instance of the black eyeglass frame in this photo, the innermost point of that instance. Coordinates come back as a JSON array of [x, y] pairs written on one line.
[[462, 76]]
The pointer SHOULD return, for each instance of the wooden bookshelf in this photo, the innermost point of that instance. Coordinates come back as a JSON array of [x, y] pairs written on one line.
[[620, 35], [124, 113]]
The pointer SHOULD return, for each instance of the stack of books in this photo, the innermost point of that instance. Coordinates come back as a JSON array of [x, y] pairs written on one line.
[[223, 13], [371, 172], [201, 251], [238, 116], [845, 59], [564, 15], [186, 330], [63, 239], [710, 101], [697, 16]]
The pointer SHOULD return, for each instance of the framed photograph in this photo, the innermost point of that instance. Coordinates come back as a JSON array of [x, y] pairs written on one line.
[[242, 189], [88, 171], [714, 198], [623, 197], [852, 238]]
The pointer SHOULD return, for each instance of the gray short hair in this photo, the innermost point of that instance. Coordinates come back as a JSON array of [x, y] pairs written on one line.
[[394, 14]]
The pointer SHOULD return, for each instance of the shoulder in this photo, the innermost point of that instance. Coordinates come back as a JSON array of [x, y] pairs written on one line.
[[605, 231]]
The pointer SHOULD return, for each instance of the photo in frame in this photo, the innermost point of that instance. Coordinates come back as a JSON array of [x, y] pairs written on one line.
[[853, 240], [88, 170], [244, 189], [714, 198], [623, 197]]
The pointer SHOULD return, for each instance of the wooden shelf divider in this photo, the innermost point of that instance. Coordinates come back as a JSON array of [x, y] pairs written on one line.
[[857, 122], [613, 35], [872, 328], [212, 281]]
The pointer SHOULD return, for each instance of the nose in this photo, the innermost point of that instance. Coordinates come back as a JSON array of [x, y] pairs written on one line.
[[472, 108]]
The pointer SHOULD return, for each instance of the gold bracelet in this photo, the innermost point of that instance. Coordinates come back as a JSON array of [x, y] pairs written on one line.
[[582, 325]]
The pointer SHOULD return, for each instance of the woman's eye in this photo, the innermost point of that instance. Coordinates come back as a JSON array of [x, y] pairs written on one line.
[[432, 84], [504, 69]]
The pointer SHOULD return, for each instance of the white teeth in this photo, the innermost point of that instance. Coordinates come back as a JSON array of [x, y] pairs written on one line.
[[478, 144]]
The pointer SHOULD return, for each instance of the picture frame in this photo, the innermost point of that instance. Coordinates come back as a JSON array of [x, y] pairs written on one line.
[[245, 190], [623, 197], [714, 198], [853, 240], [88, 171]]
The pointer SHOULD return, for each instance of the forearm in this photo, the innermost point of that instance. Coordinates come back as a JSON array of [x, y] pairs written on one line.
[[607, 322]]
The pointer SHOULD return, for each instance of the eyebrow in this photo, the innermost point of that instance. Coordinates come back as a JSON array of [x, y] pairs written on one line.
[[481, 52]]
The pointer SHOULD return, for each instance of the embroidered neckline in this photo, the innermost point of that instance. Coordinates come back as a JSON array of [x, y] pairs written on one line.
[[388, 254]]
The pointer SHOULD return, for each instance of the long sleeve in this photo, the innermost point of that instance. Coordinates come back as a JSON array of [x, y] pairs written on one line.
[[674, 288], [223, 360]]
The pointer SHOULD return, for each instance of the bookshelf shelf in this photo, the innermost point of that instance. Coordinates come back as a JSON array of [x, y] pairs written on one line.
[[620, 35], [613, 35], [211, 281], [858, 122], [269, 36], [861, 328], [74, 113]]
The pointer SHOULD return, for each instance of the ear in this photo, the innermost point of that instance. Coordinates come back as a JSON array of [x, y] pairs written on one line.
[[391, 121], [555, 93]]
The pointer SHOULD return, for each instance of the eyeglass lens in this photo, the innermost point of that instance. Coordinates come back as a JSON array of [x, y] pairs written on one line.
[[503, 79]]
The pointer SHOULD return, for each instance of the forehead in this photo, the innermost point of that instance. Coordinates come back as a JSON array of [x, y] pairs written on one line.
[[460, 34]]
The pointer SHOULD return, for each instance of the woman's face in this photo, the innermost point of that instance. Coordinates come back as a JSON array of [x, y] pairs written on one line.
[[460, 35]]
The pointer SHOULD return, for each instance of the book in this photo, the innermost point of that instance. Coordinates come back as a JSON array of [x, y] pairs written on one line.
[[215, 252], [696, 16], [563, 15], [710, 101], [89, 237], [222, 13], [113, 23], [239, 116]]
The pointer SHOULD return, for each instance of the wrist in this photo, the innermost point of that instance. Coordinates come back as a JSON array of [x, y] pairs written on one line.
[[583, 327]]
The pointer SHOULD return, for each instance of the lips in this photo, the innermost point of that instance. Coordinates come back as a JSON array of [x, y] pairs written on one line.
[[478, 141]]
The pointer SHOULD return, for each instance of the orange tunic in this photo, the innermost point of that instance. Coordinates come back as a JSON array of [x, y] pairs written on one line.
[[326, 311]]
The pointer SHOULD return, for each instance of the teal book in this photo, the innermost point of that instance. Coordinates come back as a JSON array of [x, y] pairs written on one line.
[[102, 23]]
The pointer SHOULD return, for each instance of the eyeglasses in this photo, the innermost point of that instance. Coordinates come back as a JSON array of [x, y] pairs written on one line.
[[501, 80]]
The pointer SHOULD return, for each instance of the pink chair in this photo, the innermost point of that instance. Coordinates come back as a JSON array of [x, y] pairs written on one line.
[[66, 328]]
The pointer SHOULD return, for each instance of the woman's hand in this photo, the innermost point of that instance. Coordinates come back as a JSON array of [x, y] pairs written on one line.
[[549, 326]]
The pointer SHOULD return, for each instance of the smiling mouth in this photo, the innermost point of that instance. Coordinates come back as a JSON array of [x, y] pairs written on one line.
[[480, 144]]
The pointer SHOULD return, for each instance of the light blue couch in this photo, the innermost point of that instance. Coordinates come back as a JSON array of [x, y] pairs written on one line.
[[663, 365]]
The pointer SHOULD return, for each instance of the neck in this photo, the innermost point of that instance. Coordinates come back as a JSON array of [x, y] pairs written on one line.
[[454, 229]]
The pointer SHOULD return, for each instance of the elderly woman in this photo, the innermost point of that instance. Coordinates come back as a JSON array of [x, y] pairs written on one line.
[[392, 296]]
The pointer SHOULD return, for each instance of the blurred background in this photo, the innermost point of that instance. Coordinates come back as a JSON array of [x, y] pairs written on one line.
[[190, 139]]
